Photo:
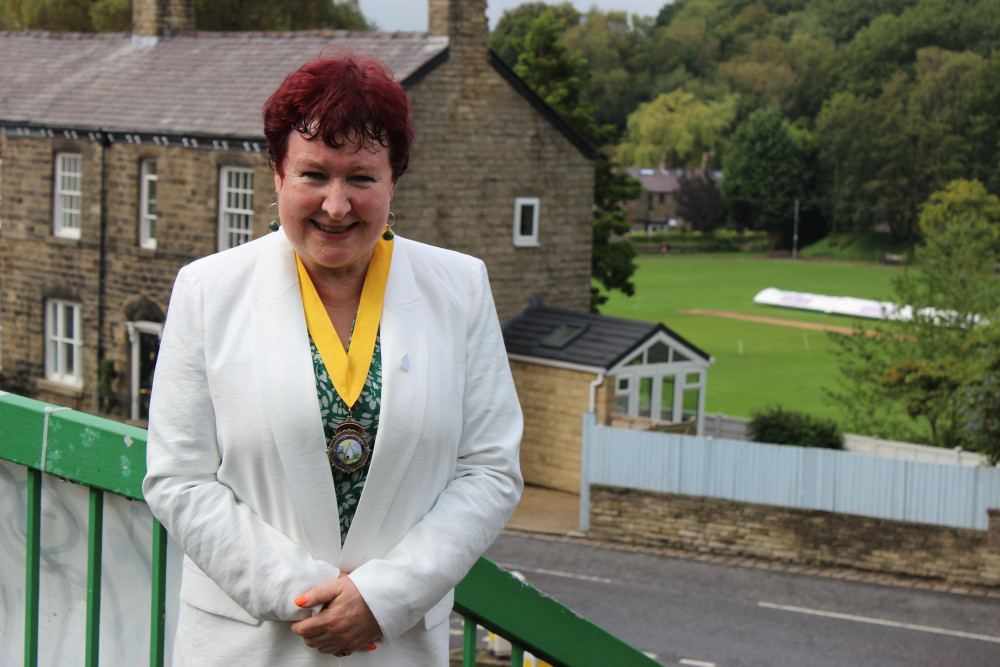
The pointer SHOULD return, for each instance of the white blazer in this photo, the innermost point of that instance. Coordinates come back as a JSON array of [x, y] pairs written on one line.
[[237, 469]]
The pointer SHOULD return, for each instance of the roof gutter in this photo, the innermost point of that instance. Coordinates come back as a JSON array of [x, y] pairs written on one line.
[[568, 366]]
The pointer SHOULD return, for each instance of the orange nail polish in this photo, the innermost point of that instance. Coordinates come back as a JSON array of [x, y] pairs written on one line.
[[302, 600], [372, 647]]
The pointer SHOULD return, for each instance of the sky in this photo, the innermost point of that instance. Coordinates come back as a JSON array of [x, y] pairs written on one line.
[[411, 15]]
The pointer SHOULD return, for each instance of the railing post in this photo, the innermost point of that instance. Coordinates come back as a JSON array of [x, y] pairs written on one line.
[[469, 628], [589, 422], [95, 535], [31, 567], [157, 614]]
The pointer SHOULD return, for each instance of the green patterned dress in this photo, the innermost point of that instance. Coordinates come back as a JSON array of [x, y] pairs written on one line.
[[349, 484]]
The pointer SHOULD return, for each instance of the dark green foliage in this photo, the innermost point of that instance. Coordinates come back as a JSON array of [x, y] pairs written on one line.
[[507, 37], [719, 240], [939, 367], [786, 427], [234, 15], [106, 376], [699, 201], [279, 15], [765, 172]]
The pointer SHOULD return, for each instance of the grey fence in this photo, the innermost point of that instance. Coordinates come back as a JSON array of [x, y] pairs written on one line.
[[799, 477]]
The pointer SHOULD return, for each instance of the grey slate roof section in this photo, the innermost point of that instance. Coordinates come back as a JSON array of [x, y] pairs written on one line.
[[604, 342], [208, 83]]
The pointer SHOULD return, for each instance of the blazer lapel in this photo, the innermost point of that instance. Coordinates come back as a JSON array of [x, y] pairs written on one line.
[[405, 355], [287, 384]]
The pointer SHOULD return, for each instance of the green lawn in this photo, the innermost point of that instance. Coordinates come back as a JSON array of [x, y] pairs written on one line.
[[756, 365]]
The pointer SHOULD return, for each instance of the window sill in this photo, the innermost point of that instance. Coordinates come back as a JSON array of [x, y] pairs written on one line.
[[41, 384], [64, 240]]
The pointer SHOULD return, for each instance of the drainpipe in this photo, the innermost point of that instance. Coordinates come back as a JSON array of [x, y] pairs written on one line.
[[598, 381], [102, 257]]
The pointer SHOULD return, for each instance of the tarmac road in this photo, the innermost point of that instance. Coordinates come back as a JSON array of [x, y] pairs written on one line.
[[703, 614]]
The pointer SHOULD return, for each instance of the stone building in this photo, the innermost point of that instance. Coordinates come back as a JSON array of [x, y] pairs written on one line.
[[629, 373], [125, 156], [655, 209]]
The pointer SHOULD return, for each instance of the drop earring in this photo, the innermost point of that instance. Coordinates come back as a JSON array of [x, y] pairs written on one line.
[[273, 208], [387, 234]]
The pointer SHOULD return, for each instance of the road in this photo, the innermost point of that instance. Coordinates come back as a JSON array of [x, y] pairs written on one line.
[[688, 612]]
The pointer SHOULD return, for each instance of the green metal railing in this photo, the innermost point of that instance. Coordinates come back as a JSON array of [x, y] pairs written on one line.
[[107, 456]]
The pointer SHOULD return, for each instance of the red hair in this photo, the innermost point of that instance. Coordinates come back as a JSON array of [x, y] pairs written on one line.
[[346, 96]]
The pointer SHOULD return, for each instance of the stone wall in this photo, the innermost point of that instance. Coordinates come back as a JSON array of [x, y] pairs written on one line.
[[36, 266], [553, 401], [726, 527]]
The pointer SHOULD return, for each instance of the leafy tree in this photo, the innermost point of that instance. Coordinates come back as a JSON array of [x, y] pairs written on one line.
[[507, 37], [612, 43], [699, 201], [979, 122], [678, 126], [881, 158], [235, 15], [765, 172], [890, 43], [842, 19], [560, 78], [940, 363]]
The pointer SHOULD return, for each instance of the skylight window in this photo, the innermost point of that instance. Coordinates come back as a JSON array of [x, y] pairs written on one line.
[[564, 335]]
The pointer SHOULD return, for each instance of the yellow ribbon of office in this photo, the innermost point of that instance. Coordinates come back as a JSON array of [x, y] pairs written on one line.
[[348, 369]]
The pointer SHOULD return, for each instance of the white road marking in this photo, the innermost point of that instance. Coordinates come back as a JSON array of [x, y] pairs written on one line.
[[696, 663], [556, 573], [879, 621]]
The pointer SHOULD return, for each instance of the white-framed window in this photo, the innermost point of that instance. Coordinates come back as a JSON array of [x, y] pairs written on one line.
[[526, 221], [63, 342], [68, 193], [235, 206], [147, 204], [661, 381]]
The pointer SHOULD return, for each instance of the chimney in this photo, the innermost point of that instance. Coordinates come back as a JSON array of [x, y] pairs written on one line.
[[463, 22], [161, 18]]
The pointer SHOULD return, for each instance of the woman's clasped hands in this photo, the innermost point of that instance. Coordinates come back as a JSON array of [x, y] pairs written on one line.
[[345, 624]]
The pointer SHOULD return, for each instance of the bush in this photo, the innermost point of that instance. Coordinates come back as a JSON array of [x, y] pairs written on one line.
[[720, 240], [787, 427]]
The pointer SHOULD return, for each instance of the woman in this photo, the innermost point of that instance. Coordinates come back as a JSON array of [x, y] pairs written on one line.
[[328, 502]]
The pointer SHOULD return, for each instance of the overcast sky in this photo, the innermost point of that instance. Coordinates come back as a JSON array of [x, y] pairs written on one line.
[[411, 15]]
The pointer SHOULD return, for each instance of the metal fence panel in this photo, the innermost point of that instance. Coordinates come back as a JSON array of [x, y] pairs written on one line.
[[789, 476]]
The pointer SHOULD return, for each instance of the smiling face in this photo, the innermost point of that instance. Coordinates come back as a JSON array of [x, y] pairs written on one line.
[[333, 203]]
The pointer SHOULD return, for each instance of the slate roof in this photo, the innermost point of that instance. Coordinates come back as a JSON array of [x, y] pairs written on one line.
[[207, 83], [603, 343], [663, 180]]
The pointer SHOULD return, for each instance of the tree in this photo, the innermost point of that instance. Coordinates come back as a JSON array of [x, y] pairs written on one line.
[[678, 126], [940, 364], [560, 78], [233, 15], [765, 172], [699, 202], [979, 122], [612, 44], [236, 15], [507, 38]]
